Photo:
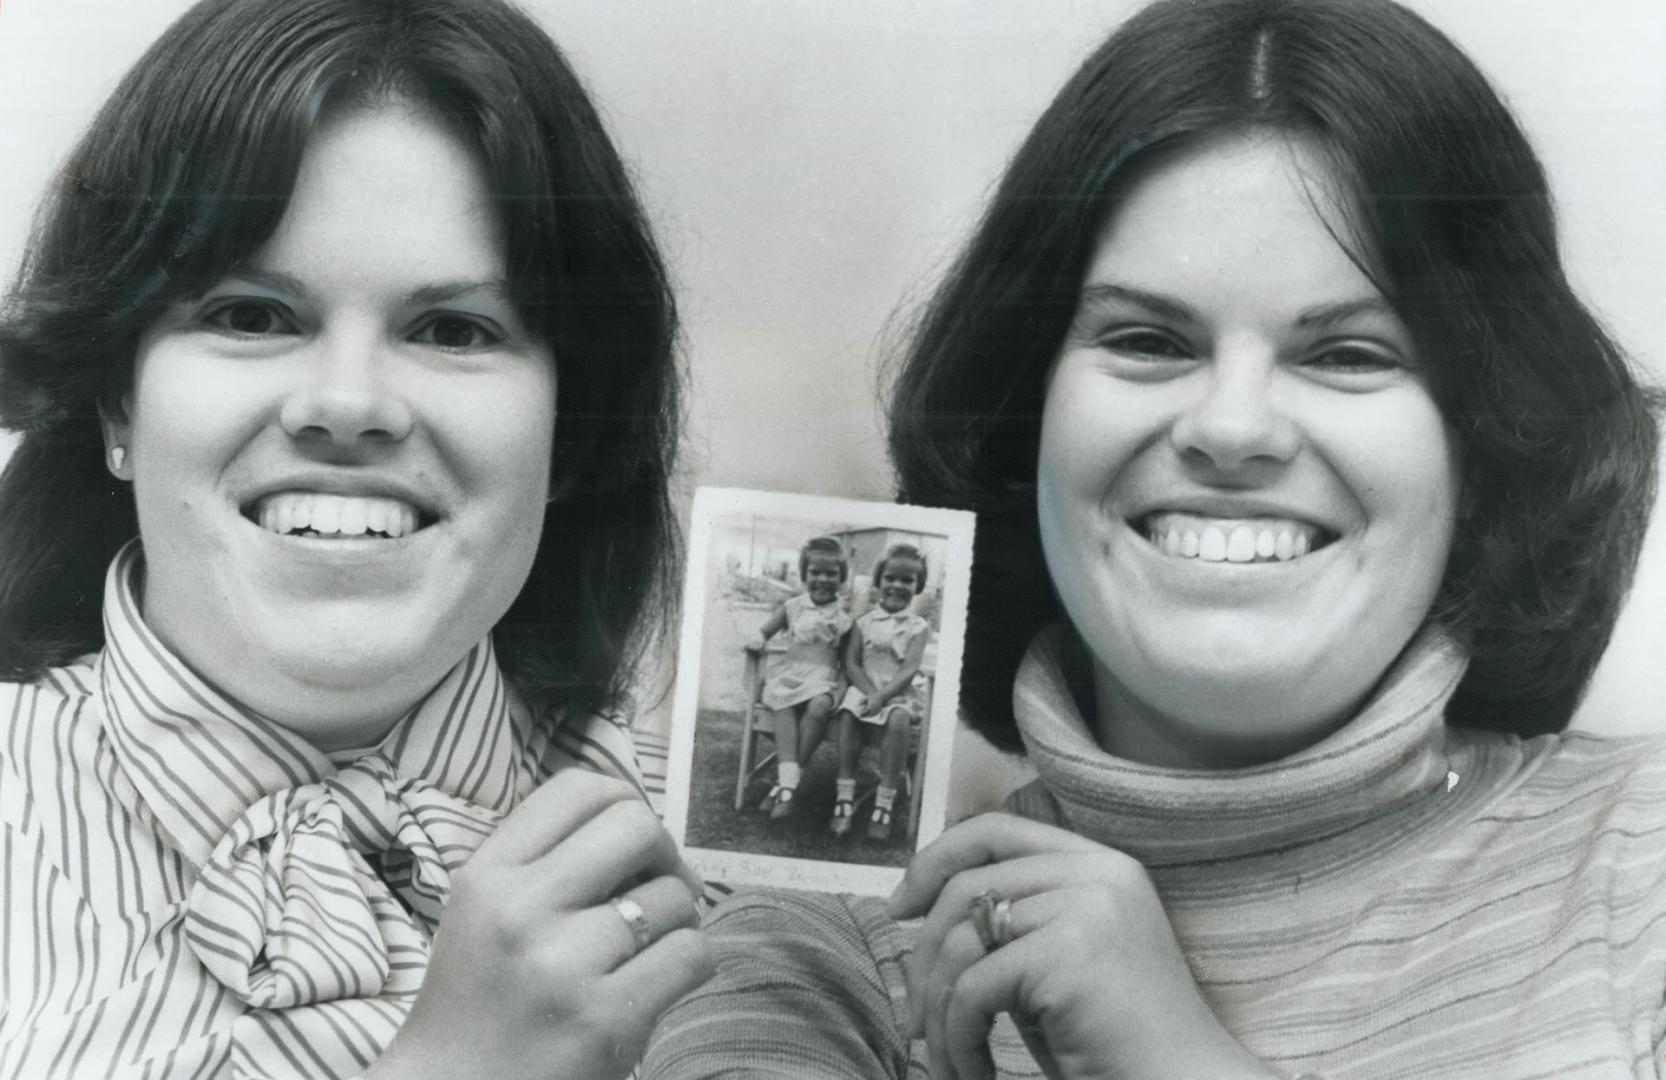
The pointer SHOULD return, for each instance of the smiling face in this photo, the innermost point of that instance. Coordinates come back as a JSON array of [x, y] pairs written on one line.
[[822, 576], [1246, 493], [340, 453], [899, 582]]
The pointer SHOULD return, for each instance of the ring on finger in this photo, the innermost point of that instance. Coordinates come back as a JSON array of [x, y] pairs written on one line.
[[992, 919], [636, 919]]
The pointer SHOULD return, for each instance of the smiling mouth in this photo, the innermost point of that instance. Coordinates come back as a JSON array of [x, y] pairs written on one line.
[[1231, 540], [317, 515]]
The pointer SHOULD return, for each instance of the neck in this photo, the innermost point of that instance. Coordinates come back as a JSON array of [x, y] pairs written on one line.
[[1391, 751], [1215, 739]]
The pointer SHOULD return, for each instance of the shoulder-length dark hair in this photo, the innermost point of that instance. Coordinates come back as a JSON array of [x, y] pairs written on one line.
[[1455, 226], [186, 172]]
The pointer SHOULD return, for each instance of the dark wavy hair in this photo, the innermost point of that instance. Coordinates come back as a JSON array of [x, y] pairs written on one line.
[[1454, 225], [186, 172]]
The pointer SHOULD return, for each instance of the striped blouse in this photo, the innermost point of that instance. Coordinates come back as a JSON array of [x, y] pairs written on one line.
[[1403, 900], [190, 891]]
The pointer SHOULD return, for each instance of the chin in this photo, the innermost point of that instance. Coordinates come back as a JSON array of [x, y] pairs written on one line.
[[1264, 712], [1238, 687], [362, 660]]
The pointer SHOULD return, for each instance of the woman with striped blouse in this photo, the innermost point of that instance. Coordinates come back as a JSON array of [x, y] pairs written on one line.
[[1307, 496], [311, 593]]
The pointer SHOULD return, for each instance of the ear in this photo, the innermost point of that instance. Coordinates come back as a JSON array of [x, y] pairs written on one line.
[[117, 428]]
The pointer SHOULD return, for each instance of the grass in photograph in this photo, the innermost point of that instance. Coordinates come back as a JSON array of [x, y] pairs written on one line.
[[714, 823]]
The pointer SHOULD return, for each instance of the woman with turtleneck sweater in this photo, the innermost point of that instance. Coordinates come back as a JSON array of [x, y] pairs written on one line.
[[1308, 495]]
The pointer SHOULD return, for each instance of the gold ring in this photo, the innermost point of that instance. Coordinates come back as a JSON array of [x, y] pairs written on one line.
[[635, 918]]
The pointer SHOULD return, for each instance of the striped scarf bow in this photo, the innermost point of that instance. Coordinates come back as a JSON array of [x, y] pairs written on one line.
[[332, 889]]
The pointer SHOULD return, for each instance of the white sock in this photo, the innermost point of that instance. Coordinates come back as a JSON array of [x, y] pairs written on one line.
[[883, 796], [846, 789], [787, 774]]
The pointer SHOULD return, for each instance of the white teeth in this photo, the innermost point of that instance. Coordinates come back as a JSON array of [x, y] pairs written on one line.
[[335, 515], [1192, 536], [1240, 545], [354, 514], [326, 515]]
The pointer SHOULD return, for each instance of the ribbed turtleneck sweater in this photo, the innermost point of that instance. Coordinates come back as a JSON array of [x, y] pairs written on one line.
[[1403, 899]]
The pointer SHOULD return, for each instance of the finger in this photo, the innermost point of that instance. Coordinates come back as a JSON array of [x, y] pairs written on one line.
[[937, 1057], [988, 838], [960, 951], [555, 808], [659, 975], [1014, 880], [620, 847], [994, 984], [966, 1028], [610, 938], [623, 1006], [968, 1015]]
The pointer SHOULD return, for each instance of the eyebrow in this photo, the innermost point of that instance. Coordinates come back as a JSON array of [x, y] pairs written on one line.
[[276, 280], [439, 292], [451, 290], [1319, 317], [1103, 291], [1326, 316]]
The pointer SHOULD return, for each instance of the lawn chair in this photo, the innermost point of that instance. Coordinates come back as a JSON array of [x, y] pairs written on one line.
[[755, 723]]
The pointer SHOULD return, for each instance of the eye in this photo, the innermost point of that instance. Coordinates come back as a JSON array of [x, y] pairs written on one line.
[[1353, 359], [458, 333], [248, 317], [1146, 343]]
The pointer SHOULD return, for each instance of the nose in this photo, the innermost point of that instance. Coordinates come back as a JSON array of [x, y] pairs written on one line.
[[1236, 419], [347, 395]]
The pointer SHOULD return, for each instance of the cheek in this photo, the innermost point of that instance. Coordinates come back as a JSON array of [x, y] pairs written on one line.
[[507, 437], [1080, 463], [188, 418], [1408, 479], [1094, 429], [176, 402]]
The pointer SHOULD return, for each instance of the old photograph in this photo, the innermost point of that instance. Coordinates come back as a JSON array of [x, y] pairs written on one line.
[[810, 741]]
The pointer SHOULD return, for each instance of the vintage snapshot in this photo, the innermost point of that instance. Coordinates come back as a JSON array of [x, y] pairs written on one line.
[[815, 702]]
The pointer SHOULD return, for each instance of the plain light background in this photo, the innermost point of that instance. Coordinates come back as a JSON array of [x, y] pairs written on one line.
[[811, 168]]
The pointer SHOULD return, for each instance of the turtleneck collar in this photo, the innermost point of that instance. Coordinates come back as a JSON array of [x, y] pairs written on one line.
[[199, 759], [1391, 752]]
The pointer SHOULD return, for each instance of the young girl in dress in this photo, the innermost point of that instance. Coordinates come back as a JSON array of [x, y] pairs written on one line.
[[806, 682], [882, 656]]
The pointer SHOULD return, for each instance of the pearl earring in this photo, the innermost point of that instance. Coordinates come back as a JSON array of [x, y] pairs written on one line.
[[118, 457]]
